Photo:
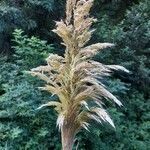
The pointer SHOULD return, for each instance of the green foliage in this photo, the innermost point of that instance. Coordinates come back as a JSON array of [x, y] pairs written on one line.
[[10, 18], [30, 51], [46, 4], [21, 125], [33, 16], [20, 121], [131, 36]]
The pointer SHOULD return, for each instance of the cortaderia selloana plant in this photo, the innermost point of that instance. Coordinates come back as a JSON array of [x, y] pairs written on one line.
[[75, 78]]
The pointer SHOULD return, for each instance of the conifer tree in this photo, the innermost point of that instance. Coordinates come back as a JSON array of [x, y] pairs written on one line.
[[75, 78]]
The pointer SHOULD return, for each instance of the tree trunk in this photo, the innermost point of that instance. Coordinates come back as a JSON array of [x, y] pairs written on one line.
[[67, 137]]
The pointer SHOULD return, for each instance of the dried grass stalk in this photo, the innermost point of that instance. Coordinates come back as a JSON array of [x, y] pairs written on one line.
[[74, 77]]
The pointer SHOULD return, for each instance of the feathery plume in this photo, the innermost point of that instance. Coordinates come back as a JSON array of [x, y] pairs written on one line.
[[74, 77]]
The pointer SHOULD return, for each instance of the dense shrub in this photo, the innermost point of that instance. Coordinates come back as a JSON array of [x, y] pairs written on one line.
[[21, 125]]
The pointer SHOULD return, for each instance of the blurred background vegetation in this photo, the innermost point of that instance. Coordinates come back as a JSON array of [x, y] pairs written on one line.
[[26, 40]]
